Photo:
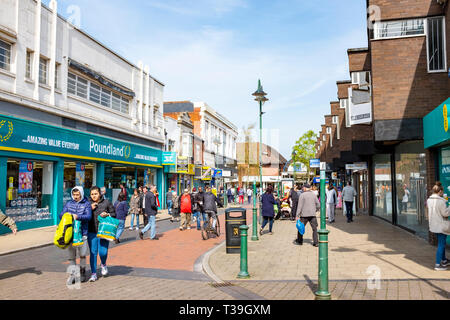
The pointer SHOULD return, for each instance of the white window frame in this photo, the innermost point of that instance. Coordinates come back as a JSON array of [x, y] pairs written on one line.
[[57, 82], [343, 103], [328, 130], [356, 78], [8, 58], [43, 72], [335, 119], [29, 65], [376, 31], [105, 95], [445, 46]]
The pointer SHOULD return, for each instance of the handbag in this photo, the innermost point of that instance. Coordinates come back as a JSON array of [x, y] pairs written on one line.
[[300, 227], [77, 234], [107, 228]]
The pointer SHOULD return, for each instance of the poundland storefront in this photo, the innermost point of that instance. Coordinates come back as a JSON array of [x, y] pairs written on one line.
[[40, 164], [437, 140]]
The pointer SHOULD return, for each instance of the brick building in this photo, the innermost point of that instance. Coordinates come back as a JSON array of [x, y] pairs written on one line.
[[396, 81]]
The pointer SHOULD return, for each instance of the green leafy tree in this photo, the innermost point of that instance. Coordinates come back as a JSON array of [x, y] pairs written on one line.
[[304, 150]]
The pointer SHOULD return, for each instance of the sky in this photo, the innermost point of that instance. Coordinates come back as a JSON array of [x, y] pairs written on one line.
[[216, 50]]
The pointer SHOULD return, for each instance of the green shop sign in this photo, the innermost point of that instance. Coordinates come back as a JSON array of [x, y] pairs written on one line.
[[31, 137], [436, 126]]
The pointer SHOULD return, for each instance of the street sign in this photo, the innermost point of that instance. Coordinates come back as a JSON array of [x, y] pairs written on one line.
[[314, 163], [323, 166]]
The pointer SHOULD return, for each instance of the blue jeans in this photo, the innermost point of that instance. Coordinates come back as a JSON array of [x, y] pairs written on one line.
[[200, 216], [120, 228], [169, 206], [249, 199], [151, 226], [97, 246], [266, 220], [442, 242], [132, 221]]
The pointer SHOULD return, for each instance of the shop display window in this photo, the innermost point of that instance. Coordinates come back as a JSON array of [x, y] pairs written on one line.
[[29, 190], [77, 174], [382, 186]]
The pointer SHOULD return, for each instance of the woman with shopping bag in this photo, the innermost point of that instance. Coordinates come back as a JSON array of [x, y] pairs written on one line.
[[439, 224], [101, 209]]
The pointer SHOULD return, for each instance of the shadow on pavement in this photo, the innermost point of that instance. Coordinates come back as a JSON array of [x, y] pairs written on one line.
[[312, 286], [118, 271], [15, 273]]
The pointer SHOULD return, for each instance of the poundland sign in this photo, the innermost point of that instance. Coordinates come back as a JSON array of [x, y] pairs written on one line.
[[32, 137]]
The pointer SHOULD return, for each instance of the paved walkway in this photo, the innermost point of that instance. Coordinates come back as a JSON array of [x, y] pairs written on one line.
[[357, 251], [35, 238]]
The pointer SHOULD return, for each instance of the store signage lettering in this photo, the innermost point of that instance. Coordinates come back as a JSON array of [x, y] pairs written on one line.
[[41, 138], [445, 169]]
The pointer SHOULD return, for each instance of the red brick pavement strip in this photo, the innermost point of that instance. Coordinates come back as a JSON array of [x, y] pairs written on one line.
[[176, 250]]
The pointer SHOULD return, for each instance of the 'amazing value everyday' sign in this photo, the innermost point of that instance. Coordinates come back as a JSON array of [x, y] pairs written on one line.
[[22, 136]]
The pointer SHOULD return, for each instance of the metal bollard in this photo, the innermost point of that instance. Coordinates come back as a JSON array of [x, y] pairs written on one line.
[[243, 274]]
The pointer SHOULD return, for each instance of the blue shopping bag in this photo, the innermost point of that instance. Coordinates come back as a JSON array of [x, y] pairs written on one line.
[[77, 234], [107, 228], [300, 227]]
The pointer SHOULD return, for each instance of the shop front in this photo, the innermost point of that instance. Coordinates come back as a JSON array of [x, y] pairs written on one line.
[[40, 164], [437, 141]]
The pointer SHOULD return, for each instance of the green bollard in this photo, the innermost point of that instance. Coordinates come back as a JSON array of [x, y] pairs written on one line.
[[323, 293], [243, 274], [255, 215]]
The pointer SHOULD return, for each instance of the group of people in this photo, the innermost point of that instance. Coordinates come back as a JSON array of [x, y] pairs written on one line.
[[88, 210], [198, 204], [239, 193]]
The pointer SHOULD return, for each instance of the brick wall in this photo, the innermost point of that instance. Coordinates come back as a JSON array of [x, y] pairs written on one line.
[[402, 86], [359, 61], [343, 89], [398, 9]]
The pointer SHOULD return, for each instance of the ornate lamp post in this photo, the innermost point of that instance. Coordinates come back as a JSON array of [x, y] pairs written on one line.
[[260, 96]]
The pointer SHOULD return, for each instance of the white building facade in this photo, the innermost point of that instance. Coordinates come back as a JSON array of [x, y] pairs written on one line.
[[77, 112]]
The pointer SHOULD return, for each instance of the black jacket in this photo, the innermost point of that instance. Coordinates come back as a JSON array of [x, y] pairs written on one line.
[[103, 206], [198, 201], [151, 208], [209, 202]]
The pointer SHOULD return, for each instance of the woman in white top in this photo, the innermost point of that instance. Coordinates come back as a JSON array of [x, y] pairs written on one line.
[[439, 224], [331, 202]]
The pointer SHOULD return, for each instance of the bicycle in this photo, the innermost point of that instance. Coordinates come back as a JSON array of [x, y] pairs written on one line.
[[208, 229]]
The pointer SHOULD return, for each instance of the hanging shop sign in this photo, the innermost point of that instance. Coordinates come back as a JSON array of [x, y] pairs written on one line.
[[25, 176], [314, 163], [169, 158], [334, 176], [356, 166], [218, 173], [206, 174], [182, 165], [32, 137]]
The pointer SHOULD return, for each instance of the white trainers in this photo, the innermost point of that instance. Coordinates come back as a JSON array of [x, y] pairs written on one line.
[[189, 228], [93, 278], [131, 229], [104, 271]]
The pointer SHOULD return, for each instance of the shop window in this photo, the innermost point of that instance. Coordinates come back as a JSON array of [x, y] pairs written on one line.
[[382, 186], [77, 174], [410, 166], [29, 190]]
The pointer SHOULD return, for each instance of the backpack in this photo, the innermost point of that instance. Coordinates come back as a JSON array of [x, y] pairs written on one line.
[[186, 205], [175, 202], [64, 232]]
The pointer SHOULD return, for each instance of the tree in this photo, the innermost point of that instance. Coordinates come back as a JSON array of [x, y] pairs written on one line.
[[304, 150]]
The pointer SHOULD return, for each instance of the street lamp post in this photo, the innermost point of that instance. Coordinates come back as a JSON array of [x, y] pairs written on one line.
[[260, 96]]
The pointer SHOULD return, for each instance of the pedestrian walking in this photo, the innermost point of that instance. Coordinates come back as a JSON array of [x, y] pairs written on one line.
[[175, 208], [331, 203], [293, 197], [249, 195], [307, 208], [80, 208], [241, 195], [121, 207], [135, 209], [142, 204], [233, 194], [199, 212], [230, 195], [405, 198], [8, 222], [169, 200], [439, 224], [186, 205], [150, 210], [124, 190], [349, 195], [98, 247], [268, 212]]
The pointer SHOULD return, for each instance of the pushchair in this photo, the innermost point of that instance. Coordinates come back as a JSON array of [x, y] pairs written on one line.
[[285, 212]]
